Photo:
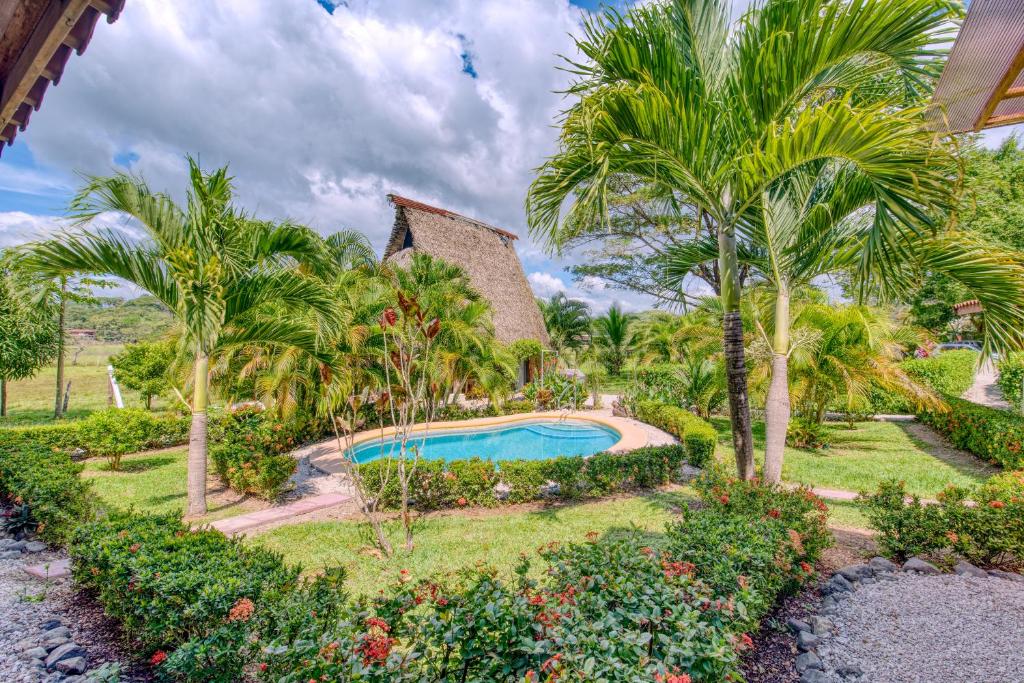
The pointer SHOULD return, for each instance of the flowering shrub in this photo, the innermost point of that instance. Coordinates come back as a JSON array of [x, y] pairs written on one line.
[[48, 482], [250, 451], [437, 484], [697, 436], [168, 584], [984, 524], [995, 435]]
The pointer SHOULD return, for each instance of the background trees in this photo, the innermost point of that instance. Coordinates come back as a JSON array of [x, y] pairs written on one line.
[[613, 338], [567, 321], [145, 367], [29, 335]]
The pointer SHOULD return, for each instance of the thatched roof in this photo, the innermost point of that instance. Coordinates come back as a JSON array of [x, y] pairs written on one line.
[[486, 253]]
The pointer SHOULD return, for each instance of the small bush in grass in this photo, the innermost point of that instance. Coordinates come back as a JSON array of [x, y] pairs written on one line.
[[48, 483], [984, 524], [992, 434], [806, 433]]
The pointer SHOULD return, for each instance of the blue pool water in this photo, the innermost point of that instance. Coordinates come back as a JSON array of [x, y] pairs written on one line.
[[521, 441]]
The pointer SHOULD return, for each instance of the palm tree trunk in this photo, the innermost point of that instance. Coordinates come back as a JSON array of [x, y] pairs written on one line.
[[735, 363], [58, 402], [197, 440], [777, 408]]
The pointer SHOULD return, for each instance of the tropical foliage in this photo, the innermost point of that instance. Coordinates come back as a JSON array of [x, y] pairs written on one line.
[[567, 321]]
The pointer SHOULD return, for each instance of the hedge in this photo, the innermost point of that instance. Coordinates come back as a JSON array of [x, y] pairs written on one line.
[[48, 482], [250, 450], [110, 432], [697, 436], [1011, 375], [949, 373], [992, 434], [437, 484]]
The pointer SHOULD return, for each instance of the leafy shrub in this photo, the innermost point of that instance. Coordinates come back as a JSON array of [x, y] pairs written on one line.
[[168, 584], [250, 451], [143, 367], [48, 482], [110, 433], [995, 435], [1011, 375], [988, 531], [804, 432], [524, 479], [697, 436], [950, 373], [661, 383]]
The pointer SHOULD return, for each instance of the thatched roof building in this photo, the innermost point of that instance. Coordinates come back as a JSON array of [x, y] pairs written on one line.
[[485, 252]]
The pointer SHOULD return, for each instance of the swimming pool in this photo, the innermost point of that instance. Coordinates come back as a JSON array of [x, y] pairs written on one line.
[[528, 440]]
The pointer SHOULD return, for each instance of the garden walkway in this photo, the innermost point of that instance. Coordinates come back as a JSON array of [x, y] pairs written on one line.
[[985, 391]]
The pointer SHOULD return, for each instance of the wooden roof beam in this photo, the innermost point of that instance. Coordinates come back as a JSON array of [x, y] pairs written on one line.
[[49, 35], [1000, 92]]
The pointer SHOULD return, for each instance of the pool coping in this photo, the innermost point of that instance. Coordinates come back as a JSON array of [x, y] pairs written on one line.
[[631, 436]]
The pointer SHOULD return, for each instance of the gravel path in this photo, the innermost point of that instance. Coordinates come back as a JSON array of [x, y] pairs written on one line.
[[911, 628], [30, 610]]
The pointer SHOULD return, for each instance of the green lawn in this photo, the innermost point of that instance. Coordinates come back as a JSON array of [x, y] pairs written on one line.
[[448, 543], [154, 482], [862, 457]]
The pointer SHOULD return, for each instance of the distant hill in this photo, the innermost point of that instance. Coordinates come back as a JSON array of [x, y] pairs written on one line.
[[122, 320]]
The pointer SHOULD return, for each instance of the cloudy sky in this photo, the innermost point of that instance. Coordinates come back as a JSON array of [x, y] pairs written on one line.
[[321, 108]]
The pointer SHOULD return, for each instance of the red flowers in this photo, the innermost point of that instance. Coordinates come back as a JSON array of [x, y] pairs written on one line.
[[672, 677], [952, 536], [774, 514], [388, 318], [806, 568], [376, 622], [158, 657], [746, 643], [134, 548], [375, 646], [462, 502], [723, 499], [997, 504], [242, 610]]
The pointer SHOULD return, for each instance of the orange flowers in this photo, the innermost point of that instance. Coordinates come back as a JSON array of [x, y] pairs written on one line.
[[158, 657], [672, 677], [462, 502], [997, 504], [134, 548], [723, 499], [242, 610], [774, 514]]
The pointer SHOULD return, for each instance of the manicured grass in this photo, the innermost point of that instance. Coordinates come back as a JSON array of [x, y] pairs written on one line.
[[451, 542], [862, 457], [153, 482], [844, 513]]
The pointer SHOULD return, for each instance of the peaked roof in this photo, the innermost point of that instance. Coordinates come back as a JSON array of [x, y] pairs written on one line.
[[982, 85], [486, 253], [37, 38]]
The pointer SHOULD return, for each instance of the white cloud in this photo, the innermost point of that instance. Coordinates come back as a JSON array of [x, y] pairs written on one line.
[[18, 227], [546, 285]]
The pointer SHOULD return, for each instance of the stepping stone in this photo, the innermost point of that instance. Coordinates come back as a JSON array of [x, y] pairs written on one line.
[[50, 570], [242, 523]]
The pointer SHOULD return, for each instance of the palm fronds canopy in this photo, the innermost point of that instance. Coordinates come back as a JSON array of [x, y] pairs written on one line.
[[485, 252]]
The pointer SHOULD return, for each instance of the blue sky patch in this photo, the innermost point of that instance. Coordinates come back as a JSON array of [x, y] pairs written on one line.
[[466, 55], [126, 158]]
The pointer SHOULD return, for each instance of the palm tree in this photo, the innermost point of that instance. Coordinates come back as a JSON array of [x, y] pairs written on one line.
[[614, 338], [714, 118], [219, 271], [567, 321]]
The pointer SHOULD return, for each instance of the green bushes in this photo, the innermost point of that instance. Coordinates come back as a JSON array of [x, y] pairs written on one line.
[[949, 373], [250, 451], [110, 433], [697, 436], [617, 609], [995, 435], [803, 432], [167, 584], [988, 531], [48, 482], [1011, 375], [439, 485]]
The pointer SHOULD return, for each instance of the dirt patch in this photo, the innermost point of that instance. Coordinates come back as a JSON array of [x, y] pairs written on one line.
[[936, 445]]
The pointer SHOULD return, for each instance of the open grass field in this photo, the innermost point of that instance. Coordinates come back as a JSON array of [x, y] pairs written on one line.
[[30, 401], [862, 457], [155, 482]]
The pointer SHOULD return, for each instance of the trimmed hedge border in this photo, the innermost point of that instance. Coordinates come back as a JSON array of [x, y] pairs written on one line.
[[992, 434], [49, 483], [697, 436], [110, 432]]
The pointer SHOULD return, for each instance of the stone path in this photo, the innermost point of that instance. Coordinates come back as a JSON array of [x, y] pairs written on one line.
[[247, 522], [985, 391]]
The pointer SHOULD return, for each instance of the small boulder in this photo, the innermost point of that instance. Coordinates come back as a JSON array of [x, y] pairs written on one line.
[[807, 660], [880, 564], [837, 584], [57, 632], [856, 572], [1008, 576], [65, 651], [35, 547], [50, 623], [797, 625], [38, 663], [689, 473], [805, 640], [820, 626], [54, 643], [72, 666], [36, 653], [9, 554], [16, 545], [916, 564], [967, 569]]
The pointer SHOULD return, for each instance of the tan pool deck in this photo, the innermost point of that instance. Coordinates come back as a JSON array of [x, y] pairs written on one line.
[[325, 455]]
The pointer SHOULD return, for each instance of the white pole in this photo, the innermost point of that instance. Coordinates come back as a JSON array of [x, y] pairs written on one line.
[[116, 389]]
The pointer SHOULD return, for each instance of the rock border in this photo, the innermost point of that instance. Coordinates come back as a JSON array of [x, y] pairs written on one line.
[[841, 586]]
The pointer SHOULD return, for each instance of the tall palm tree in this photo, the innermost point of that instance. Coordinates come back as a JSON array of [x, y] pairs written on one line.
[[614, 338], [219, 271], [567, 321], [714, 117]]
